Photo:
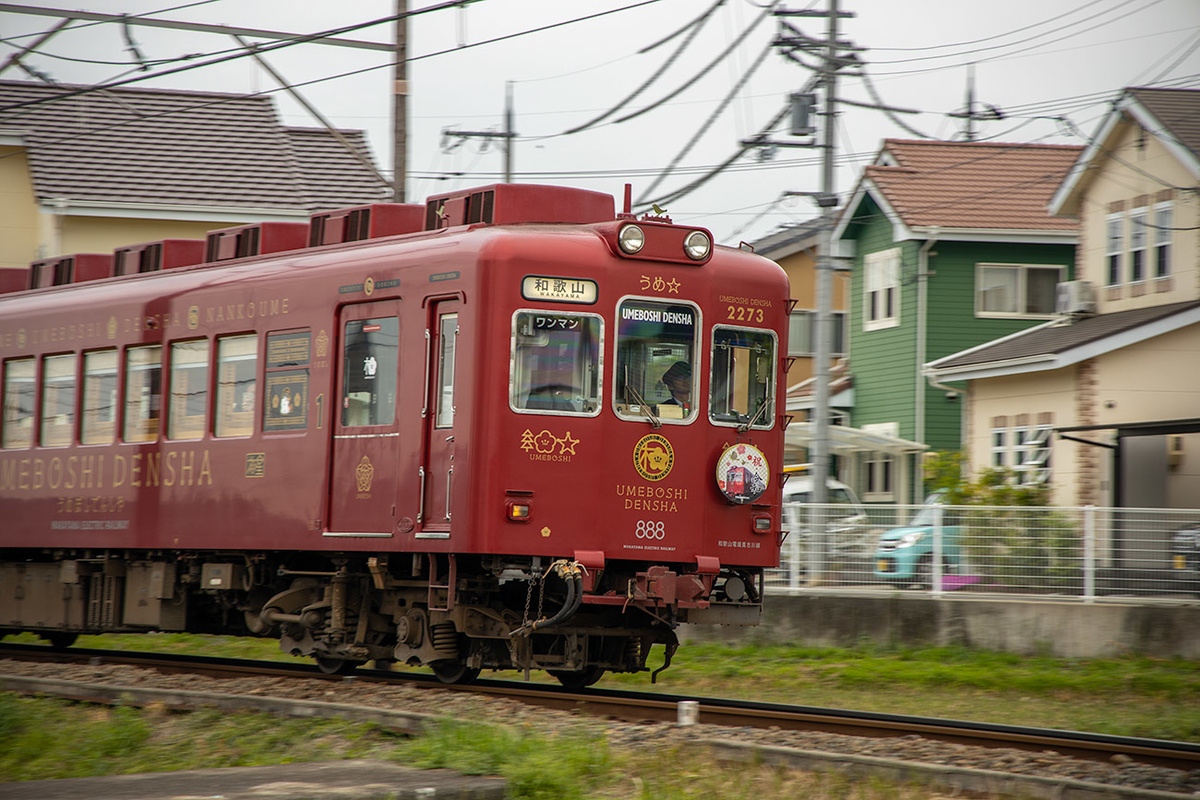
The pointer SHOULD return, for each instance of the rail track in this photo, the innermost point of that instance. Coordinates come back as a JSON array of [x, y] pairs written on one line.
[[636, 707]]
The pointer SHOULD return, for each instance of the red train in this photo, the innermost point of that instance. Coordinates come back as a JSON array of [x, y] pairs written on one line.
[[463, 435]]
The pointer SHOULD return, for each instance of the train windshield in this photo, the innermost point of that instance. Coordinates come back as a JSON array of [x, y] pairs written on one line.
[[656, 353], [556, 363], [742, 390]]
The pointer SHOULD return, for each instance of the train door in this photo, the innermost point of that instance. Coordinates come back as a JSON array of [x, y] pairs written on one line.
[[438, 468], [366, 435]]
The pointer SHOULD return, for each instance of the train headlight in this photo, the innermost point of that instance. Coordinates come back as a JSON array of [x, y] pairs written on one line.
[[697, 245], [631, 238], [517, 512]]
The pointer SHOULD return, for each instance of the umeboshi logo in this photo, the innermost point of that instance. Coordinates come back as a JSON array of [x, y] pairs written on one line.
[[653, 457]]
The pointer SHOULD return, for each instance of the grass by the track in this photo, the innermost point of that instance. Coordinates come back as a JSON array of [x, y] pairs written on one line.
[[1135, 696]]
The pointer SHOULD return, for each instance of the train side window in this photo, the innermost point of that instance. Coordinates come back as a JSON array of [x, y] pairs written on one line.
[[285, 401], [188, 390], [742, 388], [143, 393], [656, 353], [237, 384], [58, 400], [99, 397], [19, 393], [369, 371], [556, 363], [447, 347]]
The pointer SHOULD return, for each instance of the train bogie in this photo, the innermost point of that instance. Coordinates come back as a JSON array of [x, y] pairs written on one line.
[[534, 435]]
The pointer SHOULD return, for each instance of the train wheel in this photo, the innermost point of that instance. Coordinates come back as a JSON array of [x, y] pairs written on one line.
[[454, 672], [336, 666], [60, 641], [578, 679]]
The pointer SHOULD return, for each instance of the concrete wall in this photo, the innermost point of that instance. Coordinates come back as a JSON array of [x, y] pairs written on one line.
[[1070, 630]]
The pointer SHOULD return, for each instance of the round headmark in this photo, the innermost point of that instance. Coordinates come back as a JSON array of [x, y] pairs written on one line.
[[653, 457], [743, 473]]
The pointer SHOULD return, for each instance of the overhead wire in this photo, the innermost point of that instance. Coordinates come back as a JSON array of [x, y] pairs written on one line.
[[691, 82], [694, 27], [720, 109]]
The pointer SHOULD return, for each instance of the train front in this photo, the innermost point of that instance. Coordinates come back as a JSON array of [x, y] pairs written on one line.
[[640, 453]]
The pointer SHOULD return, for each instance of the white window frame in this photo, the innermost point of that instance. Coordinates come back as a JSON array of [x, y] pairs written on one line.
[[881, 288], [1138, 251], [879, 483], [1114, 238], [802, 325], [1022, 291], [1033, 457], [999, 449], [1163, 220]]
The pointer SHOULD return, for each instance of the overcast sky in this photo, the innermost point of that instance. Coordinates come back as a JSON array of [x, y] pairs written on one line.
[[1051, 67]]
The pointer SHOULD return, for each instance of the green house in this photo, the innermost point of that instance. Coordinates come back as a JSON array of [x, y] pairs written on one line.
[[952, 245]]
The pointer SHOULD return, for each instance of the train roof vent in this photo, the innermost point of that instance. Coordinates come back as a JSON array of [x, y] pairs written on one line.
[[153, 256], [508, 203], [75, 268], [365, 222], [254, 240], [13, 280]]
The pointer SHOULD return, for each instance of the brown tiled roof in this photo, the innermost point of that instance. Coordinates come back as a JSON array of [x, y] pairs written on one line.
[[1179, 112], [974, 185], [1058, 338], [180, 148]]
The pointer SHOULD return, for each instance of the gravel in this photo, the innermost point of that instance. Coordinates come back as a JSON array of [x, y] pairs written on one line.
[[1119, 771]]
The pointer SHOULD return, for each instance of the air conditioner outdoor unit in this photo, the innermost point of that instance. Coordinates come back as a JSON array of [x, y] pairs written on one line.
[[1075, 298]]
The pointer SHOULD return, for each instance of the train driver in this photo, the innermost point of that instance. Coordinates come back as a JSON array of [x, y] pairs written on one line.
[[678, 379]]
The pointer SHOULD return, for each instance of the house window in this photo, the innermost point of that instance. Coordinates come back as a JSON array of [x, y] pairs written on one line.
[[1005, 290], [1162, 240], [1115, 240], [1022, 447], [802, 333], [1033, 468], [880, 466], [881, 289], [1137, 246], [999, 448]]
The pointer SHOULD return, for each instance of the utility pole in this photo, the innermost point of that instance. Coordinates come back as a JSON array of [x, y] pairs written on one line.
[[505, 136], [991, 113], [400, 105], [828, 51]]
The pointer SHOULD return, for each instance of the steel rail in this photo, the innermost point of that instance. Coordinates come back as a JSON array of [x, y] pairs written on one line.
[[637, 707]]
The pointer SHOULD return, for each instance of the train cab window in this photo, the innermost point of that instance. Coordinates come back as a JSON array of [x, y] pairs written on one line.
[[99, 421], [58, 401], [555, 363], [143, 393], [19, 392], [369, 371], [742, 389], [188, 413], [447, 347], [656, 355], [237, 375]]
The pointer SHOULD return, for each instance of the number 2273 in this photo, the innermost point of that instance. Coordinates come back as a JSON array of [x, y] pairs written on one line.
[[745, 314]]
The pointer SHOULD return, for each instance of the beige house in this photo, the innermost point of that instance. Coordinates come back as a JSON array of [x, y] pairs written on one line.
[[1103, 402], [85, 171]]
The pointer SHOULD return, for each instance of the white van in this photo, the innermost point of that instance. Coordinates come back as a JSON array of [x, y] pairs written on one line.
[[849, 531]]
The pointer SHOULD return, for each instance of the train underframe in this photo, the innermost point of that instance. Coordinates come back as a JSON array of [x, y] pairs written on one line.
[[458, 615]]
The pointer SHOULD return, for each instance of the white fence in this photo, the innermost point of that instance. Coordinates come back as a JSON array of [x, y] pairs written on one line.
[[1086, 553]]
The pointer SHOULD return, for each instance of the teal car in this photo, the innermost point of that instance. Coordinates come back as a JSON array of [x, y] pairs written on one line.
[[904, 555]]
